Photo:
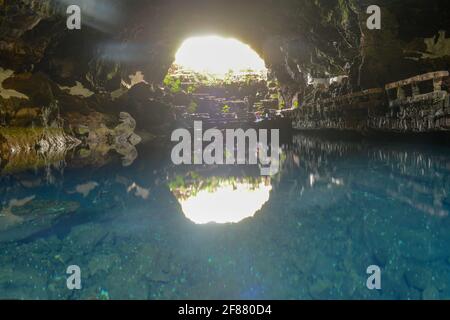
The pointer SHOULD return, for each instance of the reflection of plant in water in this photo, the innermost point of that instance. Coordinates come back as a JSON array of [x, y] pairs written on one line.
[[192, 183]]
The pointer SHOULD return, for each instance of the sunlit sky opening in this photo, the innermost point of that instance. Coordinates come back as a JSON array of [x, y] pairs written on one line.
[[217, 56], [226, 204]]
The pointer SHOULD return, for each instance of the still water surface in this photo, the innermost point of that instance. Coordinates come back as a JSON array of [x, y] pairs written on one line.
[[150, 230]]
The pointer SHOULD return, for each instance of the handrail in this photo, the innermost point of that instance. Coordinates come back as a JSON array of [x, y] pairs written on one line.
[[419, 78], [439, 75]]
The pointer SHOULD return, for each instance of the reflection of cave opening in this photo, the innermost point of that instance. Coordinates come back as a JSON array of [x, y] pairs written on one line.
[[218, 199]]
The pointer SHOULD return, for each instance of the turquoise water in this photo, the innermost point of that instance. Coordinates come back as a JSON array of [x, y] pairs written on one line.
[[140, 231]]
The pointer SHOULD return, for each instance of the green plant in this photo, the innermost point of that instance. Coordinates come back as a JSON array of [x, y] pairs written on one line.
[[281, 103], [172, 83], [191, 89], [192, 107]]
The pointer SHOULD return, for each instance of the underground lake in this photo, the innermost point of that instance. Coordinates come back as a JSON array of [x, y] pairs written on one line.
[[155, 231], [224, 150]]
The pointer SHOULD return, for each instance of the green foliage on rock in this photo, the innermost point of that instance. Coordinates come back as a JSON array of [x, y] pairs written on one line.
[[192, 107], [173, 83]]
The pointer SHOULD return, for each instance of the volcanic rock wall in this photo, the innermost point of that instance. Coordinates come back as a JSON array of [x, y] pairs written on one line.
[[298, 39], [418, 104]]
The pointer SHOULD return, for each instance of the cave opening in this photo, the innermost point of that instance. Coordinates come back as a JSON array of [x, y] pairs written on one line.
[[219, 57], [221, 79]]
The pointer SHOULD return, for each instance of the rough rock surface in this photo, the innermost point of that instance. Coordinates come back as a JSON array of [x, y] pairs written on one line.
[[25, 217], [25, 148], [418, 104], [297, 39]]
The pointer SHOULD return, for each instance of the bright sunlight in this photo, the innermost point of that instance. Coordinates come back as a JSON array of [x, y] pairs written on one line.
[[221, 200], [218, 56]]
